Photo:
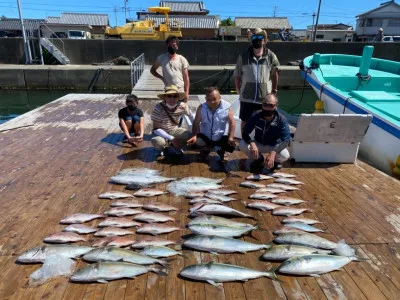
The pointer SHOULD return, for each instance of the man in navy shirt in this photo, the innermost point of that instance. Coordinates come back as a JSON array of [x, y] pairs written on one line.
[[271, 138]]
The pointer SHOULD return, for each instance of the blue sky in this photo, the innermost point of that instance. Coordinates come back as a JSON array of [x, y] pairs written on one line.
[[298, 12]]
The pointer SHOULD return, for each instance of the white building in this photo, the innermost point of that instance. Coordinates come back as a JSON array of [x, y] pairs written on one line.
[[386, 16], [331, 33]]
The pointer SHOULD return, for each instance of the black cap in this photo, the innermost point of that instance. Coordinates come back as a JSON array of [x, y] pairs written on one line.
[[170, 38]]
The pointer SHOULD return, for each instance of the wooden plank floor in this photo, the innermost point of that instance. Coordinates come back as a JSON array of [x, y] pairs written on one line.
[[62, 161]]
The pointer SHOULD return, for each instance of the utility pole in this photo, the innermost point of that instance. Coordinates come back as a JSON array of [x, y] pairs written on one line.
[[316, 23], [125, 1], [312, 27], [116, 18], [28, 55], [275, 7]]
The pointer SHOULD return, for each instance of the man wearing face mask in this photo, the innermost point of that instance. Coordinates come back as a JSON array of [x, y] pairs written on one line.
[[169, 137], [271, 138], [256, 75], [131, 121], [174, 68]]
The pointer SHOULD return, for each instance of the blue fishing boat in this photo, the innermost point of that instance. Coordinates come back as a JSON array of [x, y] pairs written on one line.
[[349, 84]]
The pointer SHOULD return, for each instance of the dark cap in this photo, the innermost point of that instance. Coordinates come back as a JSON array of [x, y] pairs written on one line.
[[170, 38]]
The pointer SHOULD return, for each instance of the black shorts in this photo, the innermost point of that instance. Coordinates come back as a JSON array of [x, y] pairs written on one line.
[[247, 109]]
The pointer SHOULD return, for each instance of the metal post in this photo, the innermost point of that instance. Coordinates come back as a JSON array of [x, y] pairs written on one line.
[[40, 46], [312, 27], [28, 55], [316, 23]]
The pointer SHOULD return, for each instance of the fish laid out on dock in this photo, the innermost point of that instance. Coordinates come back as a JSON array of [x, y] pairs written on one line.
[[160, 207], [221, 198], [39, 254], [215, 220], [115, 195], [215, 209], [148, 193], [288, 181], [188, 185], [252, 184], [216, 273], [263, 205], [284, 229], [126, 203], [282, 175], [139, 176], [80, 218], [287, 201], [155, 241], [118, 222], [257, 177], [122, 211], [270, 190], [114, 241], [263, 196], [113, 231], [159, 251], [80, 229], [64, 237], [218, 244], [191, 195], [156, 229], [150, 217], [220, 230], [284, 252], [299, 219], [204, 200], [304, 227], [289, 211], [223, 192], [106, 271], [282, 186]]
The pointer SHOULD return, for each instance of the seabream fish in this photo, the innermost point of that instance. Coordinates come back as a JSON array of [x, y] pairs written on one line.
[[156, 229], [252, 185], [115, 195], [126, 203], [145, 242], [299, 219], [79, 228], [64, 237], [106, 271], [122, 211], [148, 193], [215, 209], [305, 239], [257, 177], [114, 241], [287, 201], [262, 205], [119, 222], [285, 187], [151, 217], [215, 220], [80, 218], [269, 190], [289, 211], [263, 196], [221, 198], [304, 227], [113, 231], [284, 252], [288, 181], [39, 254], [216, 273], [159, 207], [282, 175]]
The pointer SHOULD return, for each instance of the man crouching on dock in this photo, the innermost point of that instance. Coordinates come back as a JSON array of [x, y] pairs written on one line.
[[169, 137], [131, 121]]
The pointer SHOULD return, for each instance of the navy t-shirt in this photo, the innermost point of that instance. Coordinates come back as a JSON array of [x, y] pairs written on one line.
[[126, 115]]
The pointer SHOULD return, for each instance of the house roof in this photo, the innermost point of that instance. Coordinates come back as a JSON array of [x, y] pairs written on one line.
[[260, 22], [187, 21], [184, 6], [79, 18], [15, 24], [379, 7]]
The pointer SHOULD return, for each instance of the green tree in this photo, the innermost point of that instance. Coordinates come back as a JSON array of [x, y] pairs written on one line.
[[3, 17], [227, 22]]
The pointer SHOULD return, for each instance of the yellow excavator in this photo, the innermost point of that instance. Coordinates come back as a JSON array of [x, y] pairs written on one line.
[[146, 29]]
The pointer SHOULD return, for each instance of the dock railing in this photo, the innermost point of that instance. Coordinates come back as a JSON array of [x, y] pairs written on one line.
[[137, 67], [55, 40]]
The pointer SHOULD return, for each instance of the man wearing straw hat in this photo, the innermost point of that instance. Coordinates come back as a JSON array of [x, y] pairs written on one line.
[[256, 75], [169, 137]]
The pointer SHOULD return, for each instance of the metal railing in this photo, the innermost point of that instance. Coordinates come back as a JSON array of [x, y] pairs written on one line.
[[53, 40], [137, 67]]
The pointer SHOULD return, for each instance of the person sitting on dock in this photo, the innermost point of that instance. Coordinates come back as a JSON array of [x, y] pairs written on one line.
[[256, 75], [271, 139], [214, 125], [174, 68], [131, 121], [165, 117]]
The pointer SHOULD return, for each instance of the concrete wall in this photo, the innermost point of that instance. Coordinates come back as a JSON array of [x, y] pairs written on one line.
[[197, 52]]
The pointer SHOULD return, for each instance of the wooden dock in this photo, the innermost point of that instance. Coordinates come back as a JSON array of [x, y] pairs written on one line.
[[57, 159]]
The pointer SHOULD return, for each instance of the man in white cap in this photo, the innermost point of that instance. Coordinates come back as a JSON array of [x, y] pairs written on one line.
[[379, 35], [169, 137], [256, 75]]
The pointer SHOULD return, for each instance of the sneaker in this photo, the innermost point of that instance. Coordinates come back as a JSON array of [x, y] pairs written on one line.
[[257, 166], [222, 155]]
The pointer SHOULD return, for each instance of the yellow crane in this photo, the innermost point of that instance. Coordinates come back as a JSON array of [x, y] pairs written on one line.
[[146, 29]]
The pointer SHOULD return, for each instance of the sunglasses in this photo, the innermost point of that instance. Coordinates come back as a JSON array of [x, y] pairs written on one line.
[[268, 105], [257, 37], [171, 96]]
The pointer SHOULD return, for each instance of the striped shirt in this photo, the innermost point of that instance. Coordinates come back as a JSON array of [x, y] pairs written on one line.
[[161, 120]]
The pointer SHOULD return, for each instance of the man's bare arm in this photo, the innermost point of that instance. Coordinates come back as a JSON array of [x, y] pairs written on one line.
[[153, 70]]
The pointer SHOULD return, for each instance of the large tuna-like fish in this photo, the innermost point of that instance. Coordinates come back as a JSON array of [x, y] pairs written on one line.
[[39, 254], [215, 209], [305, 239], [220, 230], [283, 252], [159, 251]]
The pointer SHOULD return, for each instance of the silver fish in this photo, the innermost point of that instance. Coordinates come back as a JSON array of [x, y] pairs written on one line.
[[193, 184], [215, 220], [39, 254], [215, 209], [120, 254], [283, 252], [106, 271], [287, 201], [299, 219], [156, 229], [159, 251], [281, 186], [79, 228], [142, 176], [304, 227], [217, 244], [289, 211], [119, 222], [262, 196], [257, 177], [221, 198], [192, 195], [113, 231], [126, 203], [288, 181], [122, 211], [282, 175], [115, 241], [223, 192], [138, 244], [64, 237], [314, 264], [204, 200], [220, 230], [148, 193], [216, 273], [251, 184], [270, 190], [150, 217], [287, 230], [305, 239], [159, 207], [80, 218], [115, 195], [140, 171], [262, 205]]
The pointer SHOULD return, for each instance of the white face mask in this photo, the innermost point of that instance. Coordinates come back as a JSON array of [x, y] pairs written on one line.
[[171, 106]]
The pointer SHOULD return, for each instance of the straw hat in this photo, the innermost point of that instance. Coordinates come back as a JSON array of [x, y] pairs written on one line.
[[172, 89], [260, 31]]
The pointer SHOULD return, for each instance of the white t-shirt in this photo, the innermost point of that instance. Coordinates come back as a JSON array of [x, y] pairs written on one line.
[[173, 69]]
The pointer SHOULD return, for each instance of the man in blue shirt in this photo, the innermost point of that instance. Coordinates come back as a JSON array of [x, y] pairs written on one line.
[[271, 138]]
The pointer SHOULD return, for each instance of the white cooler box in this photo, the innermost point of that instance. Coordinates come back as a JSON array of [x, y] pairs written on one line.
[[329, 138]]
